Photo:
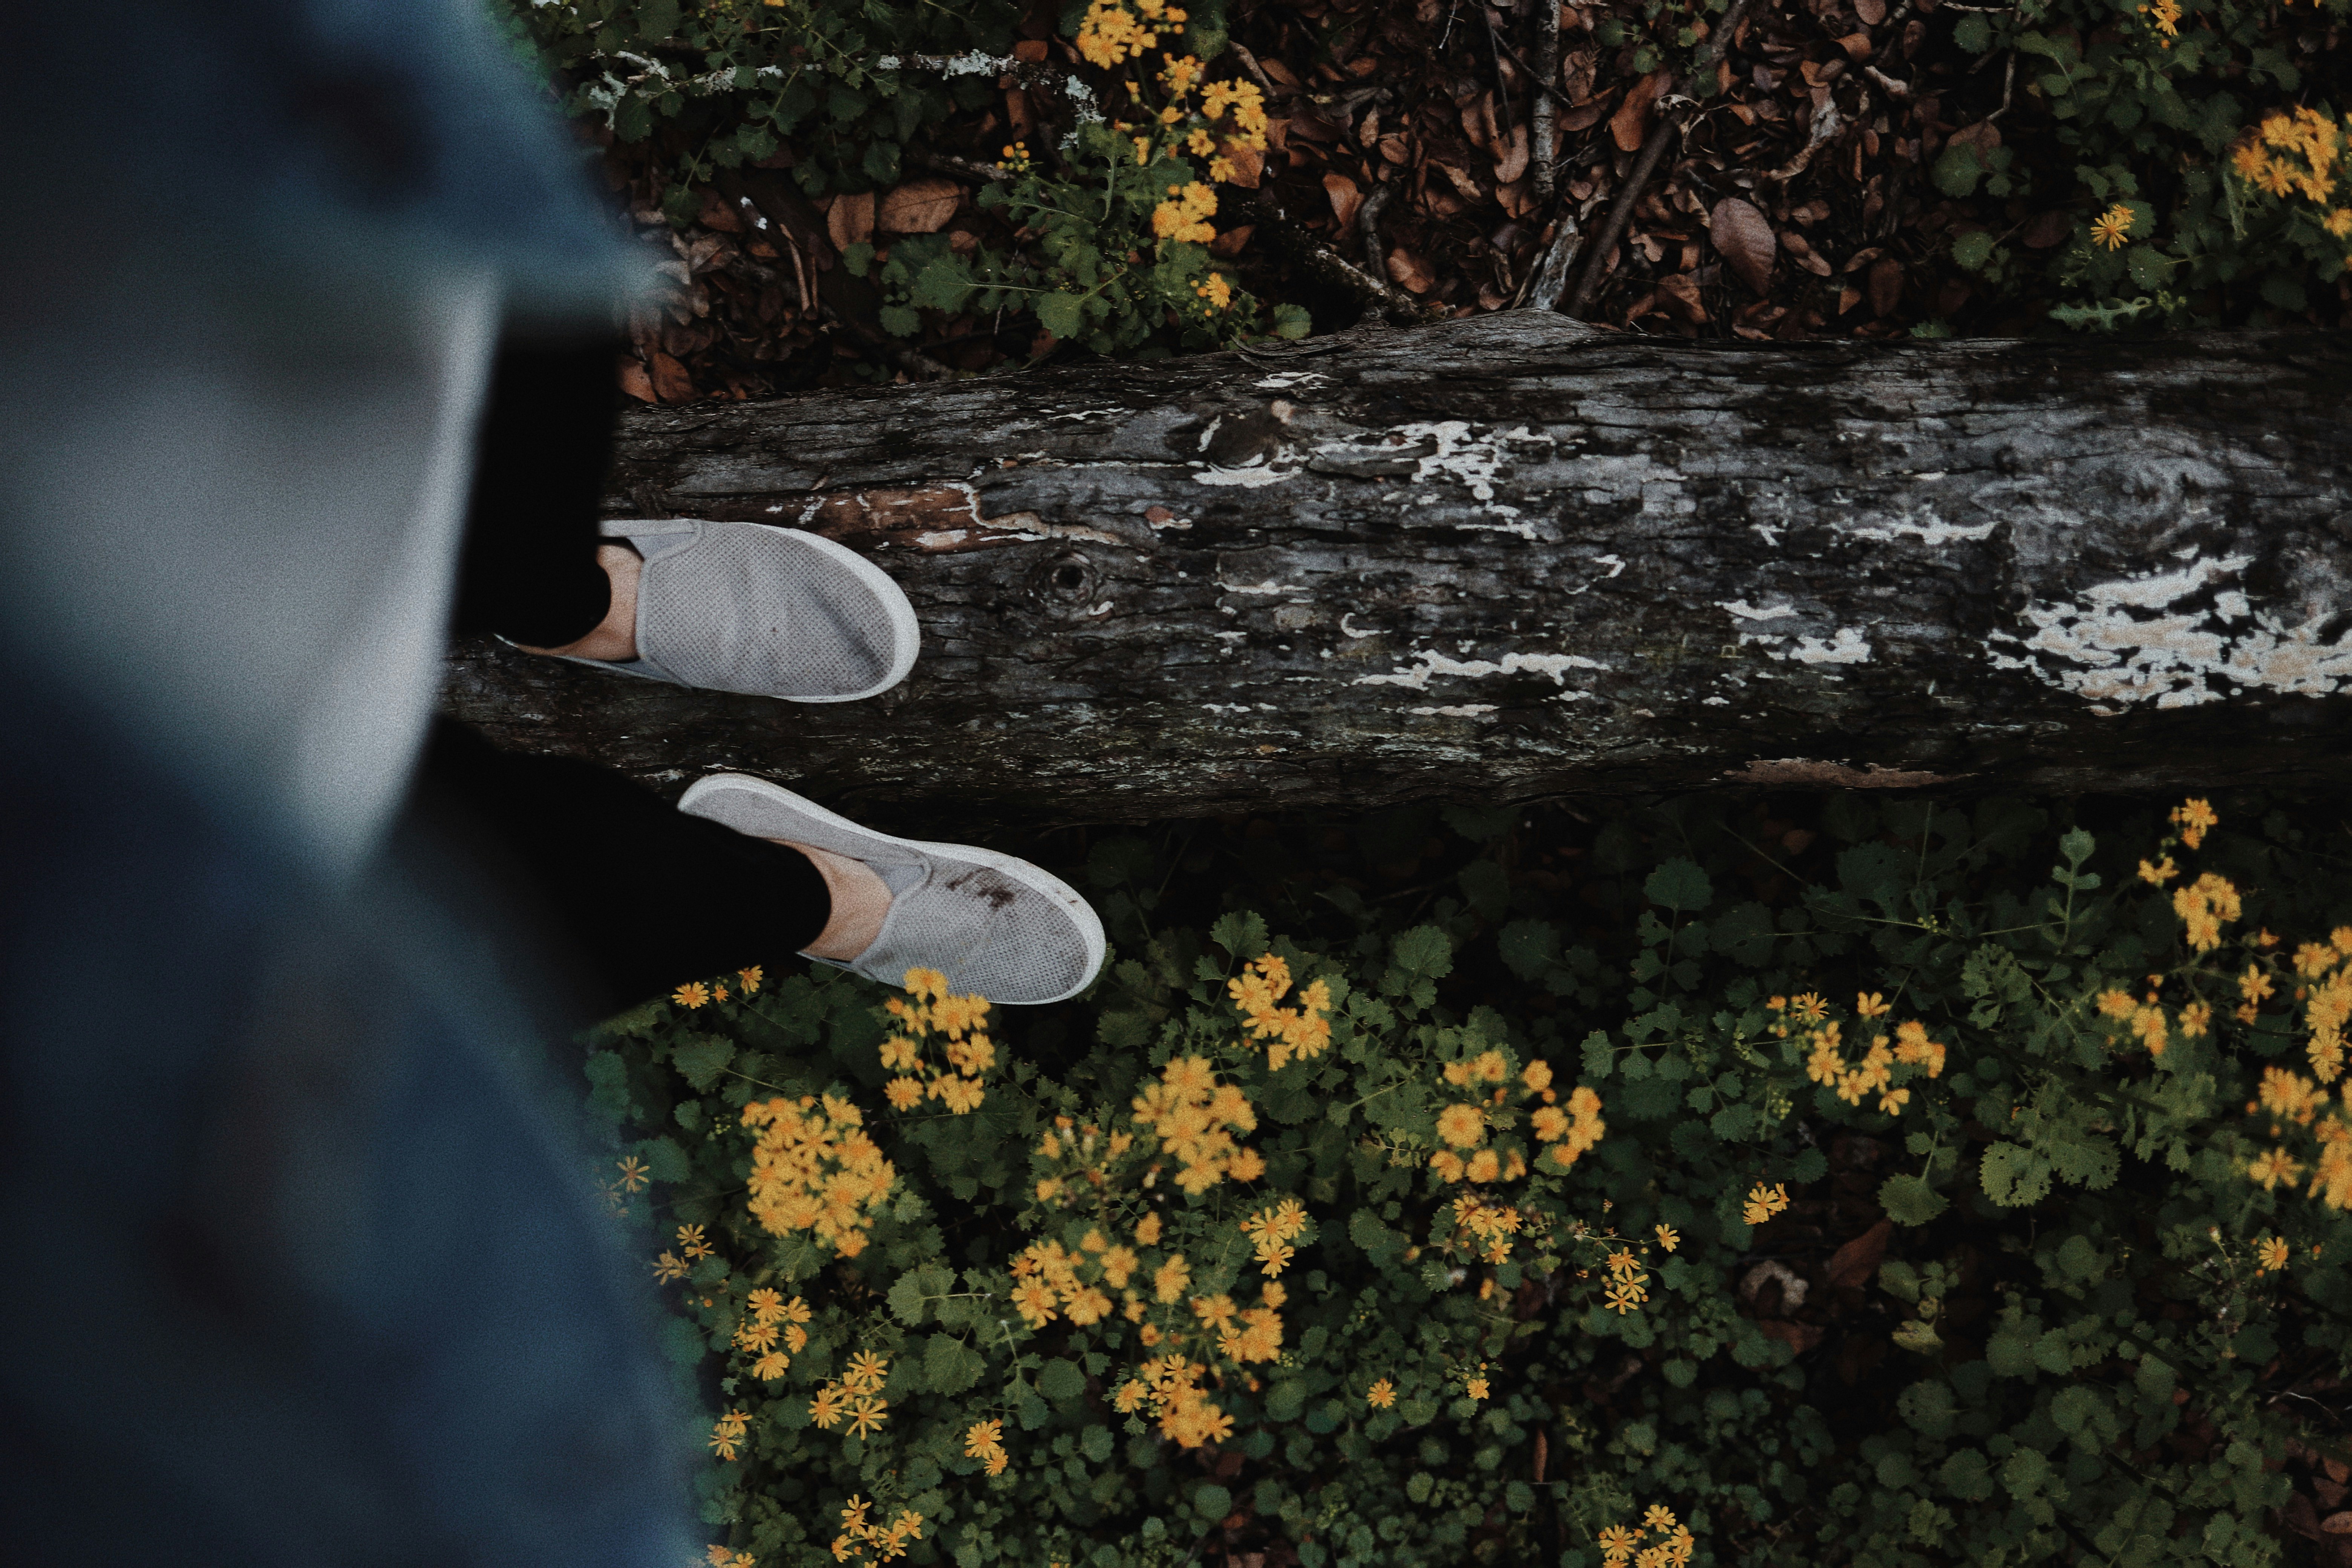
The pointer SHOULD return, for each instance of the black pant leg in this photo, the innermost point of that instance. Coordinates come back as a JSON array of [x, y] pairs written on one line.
[[643, 896], [529, 572]]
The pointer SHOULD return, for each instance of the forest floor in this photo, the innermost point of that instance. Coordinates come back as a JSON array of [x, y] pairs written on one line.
[[1829, 118]]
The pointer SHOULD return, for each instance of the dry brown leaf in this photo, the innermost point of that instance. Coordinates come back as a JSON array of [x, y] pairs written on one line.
[[1394, 149], [1018, 114], [1630, 123], [1679, 293], [1517, 197], [1807, 258], [920, 207], [636, 382], [1857, 46], [1228, 244], [1872, 12], [1478, 121], [2337, 1471], [1029, 50], [721, 213], [1369, 133], [1584, 118], [1460, 180], [1886, 286], [1248, 162], [1862, 258], [2336, 1524], [1984, 136], [1344, 199], [1744, 239], [849, 219], [1856, 1263], [1848, 298], [1407, 271], [2047, 229], [671, 383], [1278, 72], [1511, 156]]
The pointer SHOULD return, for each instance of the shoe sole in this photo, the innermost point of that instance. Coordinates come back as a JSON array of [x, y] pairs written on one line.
[[906, 632], [1089, 924]]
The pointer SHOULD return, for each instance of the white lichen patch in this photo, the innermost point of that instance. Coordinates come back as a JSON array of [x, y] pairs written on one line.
[[1847, 646], [2134, 641], [1289, 380], [1464, 710], [1456, 452], [1844, 645], [1923, 525], [1256, 473], [1431, 663]]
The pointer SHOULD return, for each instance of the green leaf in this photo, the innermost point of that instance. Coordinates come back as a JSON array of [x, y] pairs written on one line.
[[2149, 267], [1680, 885], [1973, 249], [2014, 1177], [1242, 935], [899, 320], [1061, 1381], [1062, 314], [951, 1366], [1424, 950], [1973, 33], [1528, 947], [856, 258], [608, 1077], [1928, 1408], [665, 1160], [701, 1058], [1965, 1476], [916, 1286], [1910, 1201], [1957, 170], [944, 284], [1212, 1500]]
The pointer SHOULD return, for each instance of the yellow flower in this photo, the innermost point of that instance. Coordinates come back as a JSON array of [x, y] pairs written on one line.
[[904, 1093], [668, 1266], [1617, 1544], [692, 995], [865, 1373], [1382, 1394], [2271, 1253], [1146, 1231], [825, 1409], [771, 1366], [1476, 1387], [632, 1174], [2195, 818], [2196, 1020], [2110, 229], [2160, 873], [1809, 1009], [1667, 1238], [751, 978], [1658, 1517], [1461, 1125], [1765, 1202], [1871, 1004], [1893, 1101], [2253, 984], [2272, 1168], [690, 1241], [868, 1415], [982, 1436]]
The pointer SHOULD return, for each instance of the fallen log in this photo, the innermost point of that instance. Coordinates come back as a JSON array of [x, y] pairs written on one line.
[[1515, 556]]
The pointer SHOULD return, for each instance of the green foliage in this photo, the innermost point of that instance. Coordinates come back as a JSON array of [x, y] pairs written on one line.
[[2068, 1345], [843, 91], [2150, 104]]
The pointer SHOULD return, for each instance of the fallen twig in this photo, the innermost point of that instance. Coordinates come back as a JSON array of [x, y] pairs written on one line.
[[1542, 104], [1327, 266], [1368, 224], [1620, 211]]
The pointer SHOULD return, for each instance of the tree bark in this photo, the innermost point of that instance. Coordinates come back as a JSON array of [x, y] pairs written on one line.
[[1515, 556]]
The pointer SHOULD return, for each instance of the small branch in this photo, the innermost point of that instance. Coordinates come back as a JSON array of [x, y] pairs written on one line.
[[1368, 224], [962, 168], [1543, 104], [1502, 89], [1370, 290], [1257, 72], [1621, 213], [1547, 280]]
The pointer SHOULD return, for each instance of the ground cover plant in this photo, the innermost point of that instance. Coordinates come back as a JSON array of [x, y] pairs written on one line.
[[1825, 1180], [1868, 168]]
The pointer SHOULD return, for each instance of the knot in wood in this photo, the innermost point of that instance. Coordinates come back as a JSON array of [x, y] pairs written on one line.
[[1065, 582]]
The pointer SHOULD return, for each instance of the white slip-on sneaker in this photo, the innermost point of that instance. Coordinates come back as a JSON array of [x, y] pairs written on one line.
[[744, 607], [994, 925]]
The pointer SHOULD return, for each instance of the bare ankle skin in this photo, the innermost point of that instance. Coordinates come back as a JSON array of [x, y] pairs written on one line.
[[860, 900], [614, 639]]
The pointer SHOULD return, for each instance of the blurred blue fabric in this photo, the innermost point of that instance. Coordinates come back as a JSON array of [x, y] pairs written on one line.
[[303, 1264]]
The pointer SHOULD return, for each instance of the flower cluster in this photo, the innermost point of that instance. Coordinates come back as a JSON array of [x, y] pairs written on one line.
[[721, 1557], [1765, 1202], [856, 1395], [1054, 1280], [1185, 215], [1825, 1060], [1672, 1549], [1271, 1231], [1465, 1125], [1085, 1155], [2163, 17], [2113, 226], [728, 1433], [1168, 1387], [1303, 1031], [814, 1169], [767, 1317], [970, 1052], [1117, 30], [2205, 906], [1486, 1228], [697, 993], [1259, 1337], [1626, 1283], [984, 1441], [858, 1536], [1195, 1118]]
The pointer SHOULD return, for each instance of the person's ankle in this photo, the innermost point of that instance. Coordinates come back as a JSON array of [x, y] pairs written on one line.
[[861, 901], [615, 638]]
